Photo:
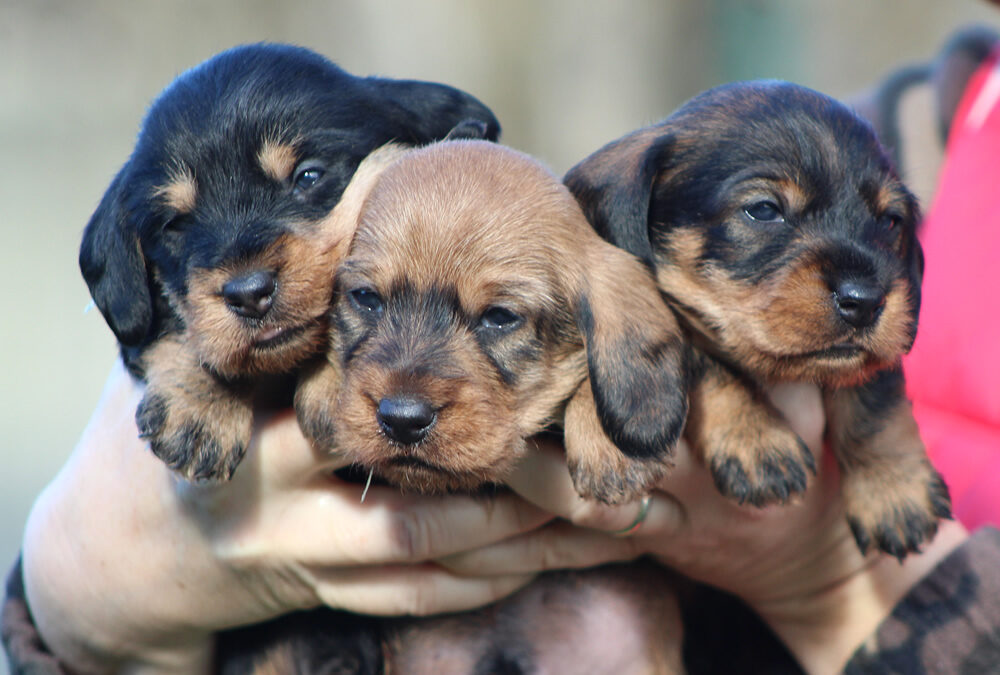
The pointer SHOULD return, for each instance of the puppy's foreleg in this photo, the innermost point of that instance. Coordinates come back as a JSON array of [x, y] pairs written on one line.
[[753, 454], [198, 424], [893, 495]]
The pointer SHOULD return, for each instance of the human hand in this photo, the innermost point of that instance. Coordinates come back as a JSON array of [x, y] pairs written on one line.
[[129, 568], [796, 564]]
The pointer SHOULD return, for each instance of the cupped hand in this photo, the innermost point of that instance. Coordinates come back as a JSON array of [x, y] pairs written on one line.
[[796, 563], [129, 568]]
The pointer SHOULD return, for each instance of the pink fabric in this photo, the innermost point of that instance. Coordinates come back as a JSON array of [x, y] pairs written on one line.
[[953, 372]]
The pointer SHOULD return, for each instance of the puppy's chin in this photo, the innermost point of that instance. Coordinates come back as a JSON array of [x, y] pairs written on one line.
[[412, 474], [458, 455], [237, 351], [836, 366]]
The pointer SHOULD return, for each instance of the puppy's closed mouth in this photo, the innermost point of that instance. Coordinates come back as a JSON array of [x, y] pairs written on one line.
[[837, 351], [411, 461], [277, 336]]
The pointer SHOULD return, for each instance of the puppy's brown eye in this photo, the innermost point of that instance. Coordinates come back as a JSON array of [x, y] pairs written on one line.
[[366, 300], [499, 318], [890, 221], [764, 211], [308, 177]]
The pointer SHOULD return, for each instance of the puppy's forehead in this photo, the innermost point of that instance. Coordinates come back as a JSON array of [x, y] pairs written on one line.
[[793, 128], [467, 213]]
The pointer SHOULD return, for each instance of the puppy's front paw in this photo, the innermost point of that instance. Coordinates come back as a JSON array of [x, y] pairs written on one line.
[[203, 442], [758, 466], [616, 479], [896, 513], [599, 468]]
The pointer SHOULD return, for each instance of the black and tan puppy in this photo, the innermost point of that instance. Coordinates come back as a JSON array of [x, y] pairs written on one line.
[[475, 301], [211, 255], [781, 235]]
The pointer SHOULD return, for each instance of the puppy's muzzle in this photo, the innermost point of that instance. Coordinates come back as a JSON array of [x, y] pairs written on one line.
[[406, 419], [859, 303], [251, 295]]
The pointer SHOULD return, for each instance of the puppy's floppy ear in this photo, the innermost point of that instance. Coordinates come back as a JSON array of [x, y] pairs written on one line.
[[636, 355], [114, 268], [470, 130], [615, 186], [429, 111]]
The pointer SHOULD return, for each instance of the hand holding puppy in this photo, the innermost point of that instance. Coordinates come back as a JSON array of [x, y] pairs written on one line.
[[795, 564], [153, 566]]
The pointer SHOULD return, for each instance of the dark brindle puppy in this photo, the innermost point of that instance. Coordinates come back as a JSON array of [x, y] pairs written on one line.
[[212, 253], [780, 233], [473, 303]]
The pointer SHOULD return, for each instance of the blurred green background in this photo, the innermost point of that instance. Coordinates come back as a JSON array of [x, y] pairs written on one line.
[[564, 77]]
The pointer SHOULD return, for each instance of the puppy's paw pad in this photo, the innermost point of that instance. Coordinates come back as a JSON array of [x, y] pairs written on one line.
[[773, 475], [617, 481]]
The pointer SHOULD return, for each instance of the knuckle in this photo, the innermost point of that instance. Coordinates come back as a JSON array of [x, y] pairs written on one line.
[[410, 536], [420, 599]]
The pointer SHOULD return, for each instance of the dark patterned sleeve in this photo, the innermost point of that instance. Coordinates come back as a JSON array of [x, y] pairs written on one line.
[[26, 654], [949, 624]]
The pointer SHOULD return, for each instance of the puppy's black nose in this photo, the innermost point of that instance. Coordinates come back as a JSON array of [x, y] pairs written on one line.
[[406, 419], [250, 295], [858, 303]]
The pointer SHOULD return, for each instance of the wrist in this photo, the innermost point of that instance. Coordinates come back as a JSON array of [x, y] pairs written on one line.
[[97, 612], [823, 626]]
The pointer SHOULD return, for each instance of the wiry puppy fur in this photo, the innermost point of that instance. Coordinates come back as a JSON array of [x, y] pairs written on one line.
[[780, 233], [475, 300], [211, 255], [473, 303]]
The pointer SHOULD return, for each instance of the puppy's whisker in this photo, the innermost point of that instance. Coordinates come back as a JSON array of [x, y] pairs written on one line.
[[368, 484]]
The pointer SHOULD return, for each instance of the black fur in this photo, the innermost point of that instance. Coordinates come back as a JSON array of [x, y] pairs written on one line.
[[141, 251]]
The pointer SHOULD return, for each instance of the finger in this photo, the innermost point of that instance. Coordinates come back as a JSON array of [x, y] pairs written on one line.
[[331, 526], [542, 478], [802, 406], [281, 456], [416, 590], [559, 545]]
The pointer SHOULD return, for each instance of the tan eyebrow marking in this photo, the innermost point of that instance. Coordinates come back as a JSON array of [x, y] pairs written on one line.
[[180, 192], [277, 159]]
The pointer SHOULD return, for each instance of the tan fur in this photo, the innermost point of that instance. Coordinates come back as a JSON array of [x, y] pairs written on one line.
[[774, 329], [181, 193], [234, 347], [277, 159], [598, 470], [196, 403], [500, 230], [736, 429]]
